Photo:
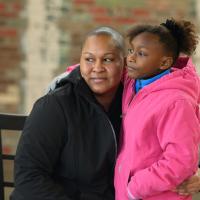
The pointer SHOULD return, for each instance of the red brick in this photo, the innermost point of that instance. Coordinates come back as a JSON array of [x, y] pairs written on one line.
[[5, 80], [125, 20], [2, 6], [98, 10], [9, 48], [84, 2], [8, 32], [13, 56], [7, 149], [141, 12], [10, 60], [8, 64], [17, 7], [103, 19], [9, 14]]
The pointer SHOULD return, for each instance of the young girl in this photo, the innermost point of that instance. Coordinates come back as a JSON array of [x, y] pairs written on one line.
[[161, 122]]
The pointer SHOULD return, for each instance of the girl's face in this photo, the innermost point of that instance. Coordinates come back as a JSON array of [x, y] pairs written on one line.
[[146, 56]]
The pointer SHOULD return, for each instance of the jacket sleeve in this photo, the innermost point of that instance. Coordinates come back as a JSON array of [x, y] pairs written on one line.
[[38, 153], [178, 132]]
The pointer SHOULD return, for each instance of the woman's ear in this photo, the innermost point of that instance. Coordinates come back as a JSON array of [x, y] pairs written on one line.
[[166, 63]]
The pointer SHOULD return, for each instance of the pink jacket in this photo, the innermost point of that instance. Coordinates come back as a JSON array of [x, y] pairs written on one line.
[[161, 134]]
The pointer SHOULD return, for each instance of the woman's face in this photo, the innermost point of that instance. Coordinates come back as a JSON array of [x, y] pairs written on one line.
[[101, 64]]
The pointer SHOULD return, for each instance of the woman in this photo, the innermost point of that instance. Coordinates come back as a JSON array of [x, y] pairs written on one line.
[[69, 143]]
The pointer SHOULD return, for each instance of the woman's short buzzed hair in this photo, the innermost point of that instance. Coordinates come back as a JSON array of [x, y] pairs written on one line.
[[114, 34]]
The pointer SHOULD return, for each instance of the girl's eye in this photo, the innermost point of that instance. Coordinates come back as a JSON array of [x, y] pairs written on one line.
[[130, 51], [141, 53]]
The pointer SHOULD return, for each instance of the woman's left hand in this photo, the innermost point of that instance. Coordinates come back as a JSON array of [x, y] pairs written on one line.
[[190, 186]]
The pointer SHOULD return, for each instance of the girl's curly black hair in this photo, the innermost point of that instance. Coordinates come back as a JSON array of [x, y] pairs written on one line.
[[176, 36]]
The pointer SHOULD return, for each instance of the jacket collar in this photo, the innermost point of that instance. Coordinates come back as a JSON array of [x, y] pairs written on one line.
[[140, 83]]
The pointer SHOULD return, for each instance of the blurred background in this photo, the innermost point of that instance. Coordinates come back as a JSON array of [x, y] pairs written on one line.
[[40, 38]]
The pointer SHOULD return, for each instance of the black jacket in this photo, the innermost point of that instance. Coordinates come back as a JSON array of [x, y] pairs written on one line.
[[68, 147]]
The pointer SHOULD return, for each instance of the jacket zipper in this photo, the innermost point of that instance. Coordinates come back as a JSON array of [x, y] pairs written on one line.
[[132, 101], [131, 98], [114, 136], [113, 133]]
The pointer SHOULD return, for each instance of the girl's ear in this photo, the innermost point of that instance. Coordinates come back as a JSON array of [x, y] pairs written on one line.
[[166, 63]]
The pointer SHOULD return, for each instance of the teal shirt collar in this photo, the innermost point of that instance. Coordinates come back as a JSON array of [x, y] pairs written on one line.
[[140, 83]]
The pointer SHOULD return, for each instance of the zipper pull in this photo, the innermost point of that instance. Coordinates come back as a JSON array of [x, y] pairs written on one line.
[[122, 115]]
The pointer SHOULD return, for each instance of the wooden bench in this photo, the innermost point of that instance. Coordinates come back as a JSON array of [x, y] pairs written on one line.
[[10, 124]]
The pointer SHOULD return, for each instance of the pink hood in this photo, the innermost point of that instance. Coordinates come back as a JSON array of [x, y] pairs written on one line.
[[184, 77]]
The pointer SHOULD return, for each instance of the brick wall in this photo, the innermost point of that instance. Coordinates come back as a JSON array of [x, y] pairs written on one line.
[[83, 15], [11, 28], [25, 73]]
